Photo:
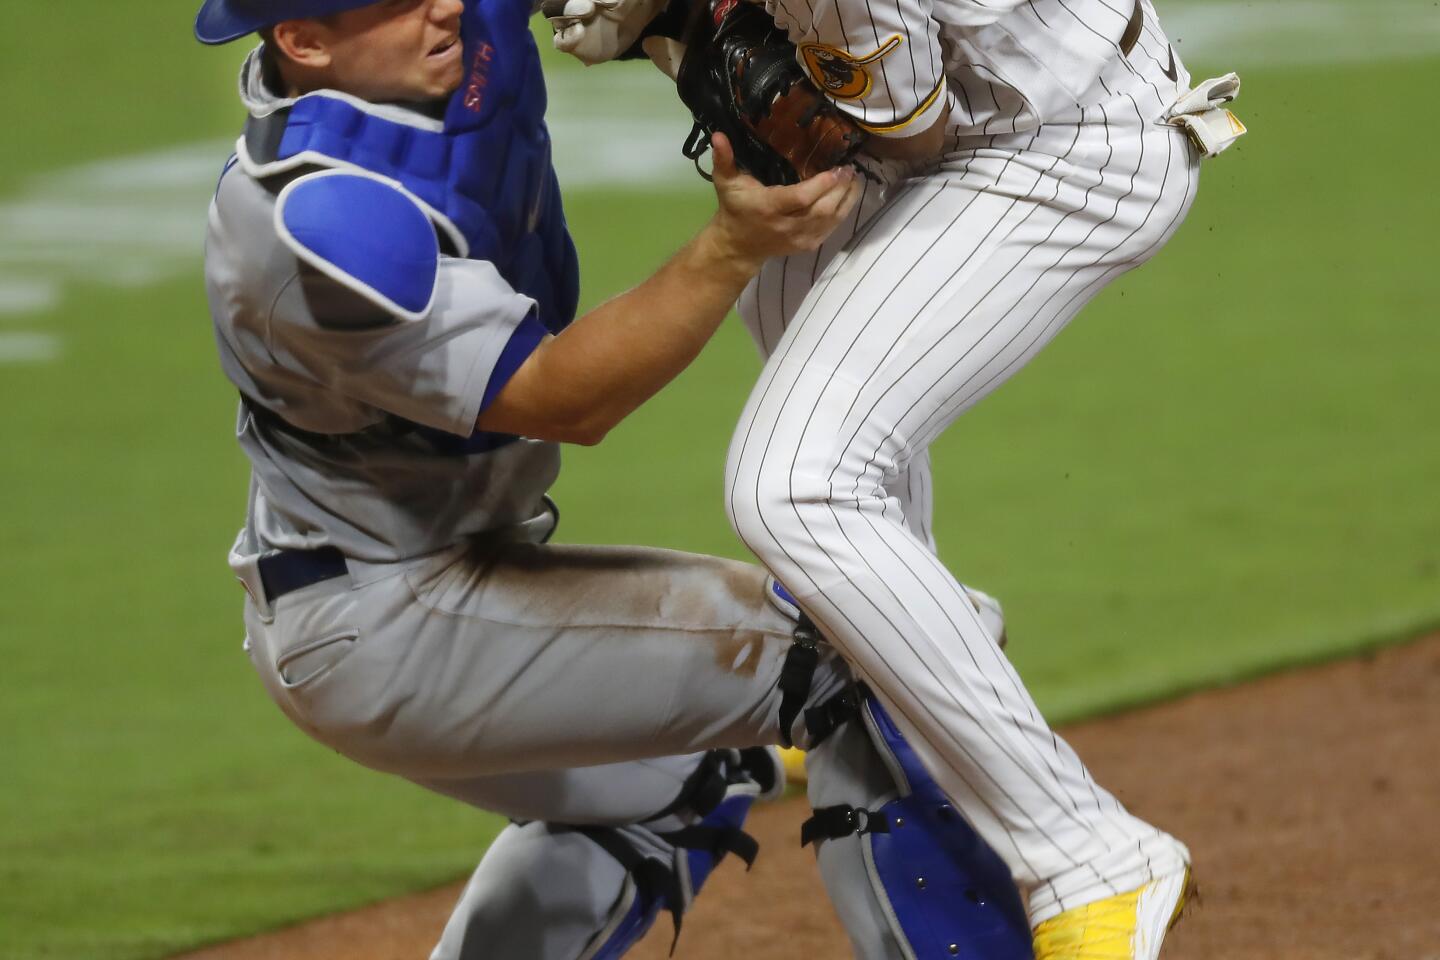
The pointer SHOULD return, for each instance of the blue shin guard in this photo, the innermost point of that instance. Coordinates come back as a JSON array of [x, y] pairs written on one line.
[[640, 911], [943, 892], [950, 893], [934, 883], [733, 782]]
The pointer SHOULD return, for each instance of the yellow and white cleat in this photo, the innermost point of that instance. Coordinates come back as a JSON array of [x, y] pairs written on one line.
[[1128, 926]]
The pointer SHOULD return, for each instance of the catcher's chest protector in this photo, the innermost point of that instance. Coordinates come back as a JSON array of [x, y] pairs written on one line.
[[485, 172]]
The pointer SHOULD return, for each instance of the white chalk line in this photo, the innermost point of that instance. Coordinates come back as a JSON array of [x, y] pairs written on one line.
[[1236, 34], [134, 221], [28, 347]]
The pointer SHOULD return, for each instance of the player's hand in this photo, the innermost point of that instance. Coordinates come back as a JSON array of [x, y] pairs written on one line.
[[594, 31], [755, 222]]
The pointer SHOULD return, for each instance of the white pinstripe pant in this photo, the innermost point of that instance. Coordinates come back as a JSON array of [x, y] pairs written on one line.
[[952, 281]]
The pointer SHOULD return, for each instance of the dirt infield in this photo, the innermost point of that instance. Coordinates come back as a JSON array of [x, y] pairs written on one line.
[[1309, 799]]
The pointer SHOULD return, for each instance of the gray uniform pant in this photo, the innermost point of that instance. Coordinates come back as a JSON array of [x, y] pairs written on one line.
[[572, 685]]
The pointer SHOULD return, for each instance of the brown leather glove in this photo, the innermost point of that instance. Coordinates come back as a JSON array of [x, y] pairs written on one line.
[[740, 76]]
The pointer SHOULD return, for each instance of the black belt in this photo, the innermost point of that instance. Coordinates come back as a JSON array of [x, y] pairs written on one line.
[[289, 570], [1133, 29]]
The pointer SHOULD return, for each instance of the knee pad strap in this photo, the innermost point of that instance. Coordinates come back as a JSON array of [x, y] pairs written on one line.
[[796, 674], [842, 820], [825, 719], [716, 800], [652, 887], [702, 791]]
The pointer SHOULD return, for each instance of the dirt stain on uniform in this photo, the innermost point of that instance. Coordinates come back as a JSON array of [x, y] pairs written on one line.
[[741, 653]]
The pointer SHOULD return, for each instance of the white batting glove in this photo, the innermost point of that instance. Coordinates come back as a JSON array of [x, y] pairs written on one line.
[[594, 31], [1202, 114]]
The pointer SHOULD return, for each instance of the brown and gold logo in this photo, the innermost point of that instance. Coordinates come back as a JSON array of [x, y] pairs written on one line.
[[840, 73]]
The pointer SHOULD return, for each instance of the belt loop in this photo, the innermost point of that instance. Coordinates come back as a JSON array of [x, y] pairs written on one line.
[[247, 571]]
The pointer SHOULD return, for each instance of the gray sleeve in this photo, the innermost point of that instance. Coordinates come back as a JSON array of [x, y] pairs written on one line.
[[438, 371]]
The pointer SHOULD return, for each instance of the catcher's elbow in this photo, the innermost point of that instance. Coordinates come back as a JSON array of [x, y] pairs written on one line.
[[584, 431], [592, 427], [579, 435], [579, 431], [588, 436]]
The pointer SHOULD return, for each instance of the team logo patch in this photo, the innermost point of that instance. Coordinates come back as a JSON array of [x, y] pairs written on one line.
[[840, 73]]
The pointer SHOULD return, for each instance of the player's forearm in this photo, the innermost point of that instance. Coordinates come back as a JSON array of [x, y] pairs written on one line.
[[624, 351], [578, 385], [920, 146]]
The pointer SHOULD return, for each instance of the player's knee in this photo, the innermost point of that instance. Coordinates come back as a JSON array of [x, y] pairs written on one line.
[[769, 506]]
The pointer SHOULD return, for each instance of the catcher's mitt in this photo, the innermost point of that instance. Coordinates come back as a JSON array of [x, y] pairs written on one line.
[[739, 76]]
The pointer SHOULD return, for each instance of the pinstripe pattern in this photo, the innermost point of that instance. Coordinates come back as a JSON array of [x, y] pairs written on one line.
[[937, 290], [1009, 66]]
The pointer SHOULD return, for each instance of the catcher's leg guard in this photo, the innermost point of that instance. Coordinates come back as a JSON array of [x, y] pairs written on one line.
[[540, 893], [700, 828], [909, 877], [650, 886], [949, 891], [559, 892]]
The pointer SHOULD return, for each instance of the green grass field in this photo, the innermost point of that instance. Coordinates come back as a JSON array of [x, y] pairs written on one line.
[[1227, 465]]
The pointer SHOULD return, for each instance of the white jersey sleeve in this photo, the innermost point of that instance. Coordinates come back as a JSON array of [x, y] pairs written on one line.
[[878, 60]]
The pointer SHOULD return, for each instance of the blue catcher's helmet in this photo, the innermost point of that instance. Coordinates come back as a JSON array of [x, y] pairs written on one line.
[[221, 21]]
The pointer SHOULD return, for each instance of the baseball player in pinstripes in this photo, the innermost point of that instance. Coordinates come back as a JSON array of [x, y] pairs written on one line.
[[1026, 153]]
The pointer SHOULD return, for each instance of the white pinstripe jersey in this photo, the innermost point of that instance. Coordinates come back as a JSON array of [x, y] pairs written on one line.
[[997, 66]]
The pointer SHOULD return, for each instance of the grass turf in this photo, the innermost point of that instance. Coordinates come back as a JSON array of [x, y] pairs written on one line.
[[1222, 467]]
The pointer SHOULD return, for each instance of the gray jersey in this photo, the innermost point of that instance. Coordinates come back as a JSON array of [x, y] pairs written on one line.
[[355, 418]]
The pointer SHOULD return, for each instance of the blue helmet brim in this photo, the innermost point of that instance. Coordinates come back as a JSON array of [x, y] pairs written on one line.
[[221, 21]]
